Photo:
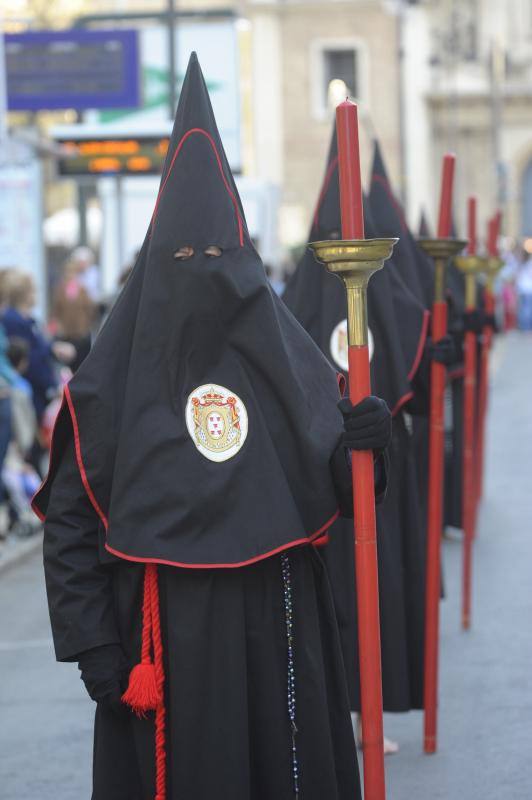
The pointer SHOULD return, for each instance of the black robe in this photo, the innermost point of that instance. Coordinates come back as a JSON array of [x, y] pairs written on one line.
[[454, 402], [192, 458], [398, 323], [226, 663], [418, 273]]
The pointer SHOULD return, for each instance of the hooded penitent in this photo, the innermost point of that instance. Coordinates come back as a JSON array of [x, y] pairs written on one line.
[[198, 374], [454, 399], [424, 227], [398, 324], [418, 272], [413, 265], [198, 434]]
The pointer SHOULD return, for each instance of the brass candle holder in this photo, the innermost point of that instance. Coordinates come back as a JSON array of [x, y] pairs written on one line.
[[440, 251], [493, 266], [471, 266], [354, 261]]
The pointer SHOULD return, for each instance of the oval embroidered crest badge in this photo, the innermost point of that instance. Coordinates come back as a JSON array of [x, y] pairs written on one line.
[[217, 421], [338, 345]]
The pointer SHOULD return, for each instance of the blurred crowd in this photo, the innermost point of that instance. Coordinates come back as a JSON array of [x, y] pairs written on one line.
[[516, 289], [36, 360]]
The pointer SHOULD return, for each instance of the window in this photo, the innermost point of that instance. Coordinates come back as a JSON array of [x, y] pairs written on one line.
[[337, 73], [340, 66]]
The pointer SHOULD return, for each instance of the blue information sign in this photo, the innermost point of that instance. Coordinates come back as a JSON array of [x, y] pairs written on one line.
[[76, 69]]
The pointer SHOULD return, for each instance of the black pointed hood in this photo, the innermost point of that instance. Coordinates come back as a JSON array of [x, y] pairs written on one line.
[[204, 417], [397, 321], [198, 196], [424, 227], [413, 266]]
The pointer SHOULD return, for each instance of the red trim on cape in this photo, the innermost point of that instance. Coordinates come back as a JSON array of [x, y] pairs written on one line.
[[79, 459], [421, 344], [305, 540], [413, 369], [33, 504], [90, 494], [219, 162], [400, 403]]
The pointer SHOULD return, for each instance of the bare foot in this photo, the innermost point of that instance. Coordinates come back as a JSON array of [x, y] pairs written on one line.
[[390, 747]]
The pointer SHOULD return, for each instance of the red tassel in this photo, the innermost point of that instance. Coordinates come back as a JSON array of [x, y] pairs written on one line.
[[146, 681], [142, 693]]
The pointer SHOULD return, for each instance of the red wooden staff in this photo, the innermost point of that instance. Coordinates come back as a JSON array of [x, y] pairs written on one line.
[[470, 266], [363, 484], [440, 253], [487, 336], [354, 259]]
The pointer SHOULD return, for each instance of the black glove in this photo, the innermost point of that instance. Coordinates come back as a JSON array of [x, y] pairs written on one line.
[[104, 672], [443, 351], [474, 321], [367, 426], [343, 481]]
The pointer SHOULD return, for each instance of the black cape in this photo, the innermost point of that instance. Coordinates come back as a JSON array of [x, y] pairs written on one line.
[[189, 340], [418, 273], [398, 323], [413, 265], [424, 227], [140, 469], [454, 401]]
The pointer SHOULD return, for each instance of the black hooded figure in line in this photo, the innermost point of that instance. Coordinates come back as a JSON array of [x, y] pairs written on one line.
[[453, 398], [198, 453], [398, 324], [418, 273]]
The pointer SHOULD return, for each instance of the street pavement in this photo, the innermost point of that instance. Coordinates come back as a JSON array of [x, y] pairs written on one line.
[[45, 715], [485, 730], [485, 715]]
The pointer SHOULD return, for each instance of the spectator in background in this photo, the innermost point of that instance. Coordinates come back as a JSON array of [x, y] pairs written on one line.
[[509, 302], [88, 272], [74, 312], [524, 289], [19, 477], [18, 321], [24, 423], [7, 379]]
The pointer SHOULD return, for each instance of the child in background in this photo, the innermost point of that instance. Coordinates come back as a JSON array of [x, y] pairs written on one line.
[[20, 478], [24, 420]]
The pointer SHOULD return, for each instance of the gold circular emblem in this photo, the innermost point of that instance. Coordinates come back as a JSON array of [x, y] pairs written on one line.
[[217, 421]]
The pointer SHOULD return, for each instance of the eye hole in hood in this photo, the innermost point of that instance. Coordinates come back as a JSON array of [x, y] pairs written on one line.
[[213, 251], [183, 253]]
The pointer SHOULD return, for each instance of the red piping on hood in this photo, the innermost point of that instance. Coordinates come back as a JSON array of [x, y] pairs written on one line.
[[219, 162]]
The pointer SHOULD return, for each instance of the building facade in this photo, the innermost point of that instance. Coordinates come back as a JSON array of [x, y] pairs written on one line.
[[473, 96], [306, 57], [429, 76]]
